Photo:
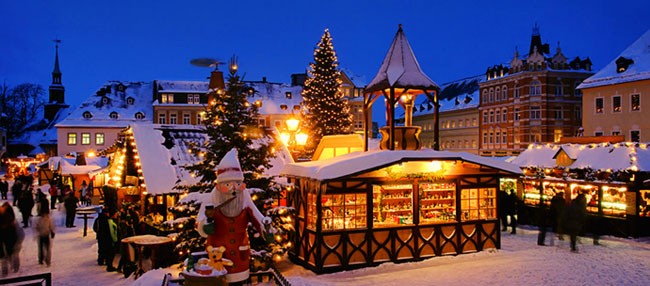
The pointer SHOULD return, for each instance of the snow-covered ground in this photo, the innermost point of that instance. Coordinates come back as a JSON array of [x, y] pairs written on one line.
[[616, 261]]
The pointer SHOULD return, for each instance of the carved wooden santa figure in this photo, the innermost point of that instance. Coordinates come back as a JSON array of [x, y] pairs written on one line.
[[225, 222]]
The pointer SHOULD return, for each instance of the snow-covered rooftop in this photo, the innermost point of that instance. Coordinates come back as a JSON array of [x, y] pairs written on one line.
[[356, 162], [603, 156], [41, 132], [274, 97], [67, 165], [639, 52], [136, 97], [400, 68], [455, 95], [182, 86]]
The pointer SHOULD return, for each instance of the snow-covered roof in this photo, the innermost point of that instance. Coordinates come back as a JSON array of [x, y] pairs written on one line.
[[182, 86], [354, 163], [400, 68], [161, 166], [67, 165], [455, 95], [41, 132], [603, 156], [639, 52], [162, 163], [136, 97], [274, 97]]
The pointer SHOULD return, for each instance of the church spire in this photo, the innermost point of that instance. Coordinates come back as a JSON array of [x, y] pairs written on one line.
[[56, 73]]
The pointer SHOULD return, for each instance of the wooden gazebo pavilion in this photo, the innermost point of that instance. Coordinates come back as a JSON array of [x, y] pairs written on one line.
[[400, 79]]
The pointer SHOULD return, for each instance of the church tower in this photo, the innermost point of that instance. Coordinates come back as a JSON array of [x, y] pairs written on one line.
[[57, 91]]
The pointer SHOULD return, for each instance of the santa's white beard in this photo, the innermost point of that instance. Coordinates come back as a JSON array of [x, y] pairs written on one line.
[[232, 208]]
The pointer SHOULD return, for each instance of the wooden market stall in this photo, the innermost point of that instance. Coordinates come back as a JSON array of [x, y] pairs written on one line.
[[611, 176], [366, 208]]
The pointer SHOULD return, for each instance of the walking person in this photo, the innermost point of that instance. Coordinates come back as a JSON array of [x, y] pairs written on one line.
[[82, 193], [574, 219], [70, 204], [54, 194], [4, 188], [25, 205], [11, 240], [513, 204], [502, 206], [44, 229], [557, 214], [16, 191]]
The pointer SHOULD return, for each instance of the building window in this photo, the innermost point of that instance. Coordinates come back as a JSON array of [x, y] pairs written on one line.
[[491, 95], [504, 115], [485, 117], [516, 91], [635, 135], [535, 137], [578, 113], [130, 100], [173, 119], [535, 112], [99, 138], [559, 88], [504, 92], [72, 138], [87, 115], [162, 119], [616, 133], [85, 138], [186, 118], [535, 87], [497, 92], [139, 115], [491, 116], [576, 91], [193, 99], [635, 102], [558, 113], [616, 103], [199, 118], [484, 97], [517, 115], [598, 133], [478, 204], [484, 137], [497, 139], [474, 123], [599, 105], [504, 137], [557, 135], [491, 138], [498, 116], [113, 115]]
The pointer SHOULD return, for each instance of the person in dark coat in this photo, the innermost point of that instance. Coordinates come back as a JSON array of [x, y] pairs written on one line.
[[9, 238], [70, 203], [557, 214], [41, 198], [25, 205], [106, 235], [575, 215], [16, 191], [4, 189], [511, 209], [503, 212]]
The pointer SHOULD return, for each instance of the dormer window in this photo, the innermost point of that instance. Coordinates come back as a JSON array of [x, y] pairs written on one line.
[[283, 106], [87, 115], [138, 115], [105, 100], [113, 115], [622, 64], [130, 100], [121, 87], [288, 94], [296, 107]]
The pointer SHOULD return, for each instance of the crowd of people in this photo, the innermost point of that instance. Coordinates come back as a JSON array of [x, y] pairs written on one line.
[[111, 226]]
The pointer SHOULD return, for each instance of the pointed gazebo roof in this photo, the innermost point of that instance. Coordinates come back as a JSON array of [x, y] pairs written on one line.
[[400, 69]]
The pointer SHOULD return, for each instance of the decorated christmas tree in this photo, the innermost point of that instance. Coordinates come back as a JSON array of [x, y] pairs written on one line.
[[326, 111], [232, 122]]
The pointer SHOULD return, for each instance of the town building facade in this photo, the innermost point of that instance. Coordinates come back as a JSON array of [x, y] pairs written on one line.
[[533, 100], [613, 97]]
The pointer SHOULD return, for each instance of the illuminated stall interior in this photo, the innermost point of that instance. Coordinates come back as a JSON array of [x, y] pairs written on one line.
[[610, 175], [366, 208]]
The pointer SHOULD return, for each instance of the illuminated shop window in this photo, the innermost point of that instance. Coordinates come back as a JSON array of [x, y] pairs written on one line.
[[437, 202], [392, 205], [478, 204]]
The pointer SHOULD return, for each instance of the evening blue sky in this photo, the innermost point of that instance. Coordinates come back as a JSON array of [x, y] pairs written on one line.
[[147, 40]]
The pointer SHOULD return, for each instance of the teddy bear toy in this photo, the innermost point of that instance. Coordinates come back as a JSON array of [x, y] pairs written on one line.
[[216, 260]]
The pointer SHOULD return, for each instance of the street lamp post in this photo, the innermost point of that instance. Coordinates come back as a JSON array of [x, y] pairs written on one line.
[[293, 137]]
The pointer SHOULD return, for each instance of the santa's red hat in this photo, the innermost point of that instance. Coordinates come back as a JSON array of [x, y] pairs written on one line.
[[229, 168]]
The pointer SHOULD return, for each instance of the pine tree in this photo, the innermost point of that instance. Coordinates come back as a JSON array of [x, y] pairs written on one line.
[[327, 112], [231, 122]]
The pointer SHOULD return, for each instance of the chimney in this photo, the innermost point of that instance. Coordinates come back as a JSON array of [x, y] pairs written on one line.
[[263, 79]]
